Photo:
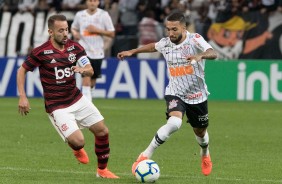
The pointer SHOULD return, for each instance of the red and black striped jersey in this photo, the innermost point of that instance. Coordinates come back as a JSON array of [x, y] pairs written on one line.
[[57, 78]]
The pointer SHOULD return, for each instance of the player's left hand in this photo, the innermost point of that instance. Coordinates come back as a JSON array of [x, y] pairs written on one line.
[[124, 54], [93, 29], [77, 69], [194, 57]]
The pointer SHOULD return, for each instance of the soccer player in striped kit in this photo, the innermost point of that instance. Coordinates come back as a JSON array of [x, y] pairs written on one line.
[[89, 27], [68, 110], [186, 93]]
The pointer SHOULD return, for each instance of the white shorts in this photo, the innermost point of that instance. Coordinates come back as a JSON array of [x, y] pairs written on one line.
[[82, 114]]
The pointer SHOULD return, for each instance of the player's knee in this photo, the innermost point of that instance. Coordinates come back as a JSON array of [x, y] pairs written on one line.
[[77, 144], [99, 129], [174, 122]]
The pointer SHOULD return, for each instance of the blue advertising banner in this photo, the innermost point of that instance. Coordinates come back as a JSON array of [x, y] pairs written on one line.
[[132, 78], [120, 79], [242, 80]]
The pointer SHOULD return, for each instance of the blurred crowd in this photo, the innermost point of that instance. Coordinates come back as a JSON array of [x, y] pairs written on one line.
[[126, 14], [143, 18]]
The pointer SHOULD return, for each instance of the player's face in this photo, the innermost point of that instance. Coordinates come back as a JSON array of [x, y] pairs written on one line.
[[175, 31], [60, 32], [92, 5]]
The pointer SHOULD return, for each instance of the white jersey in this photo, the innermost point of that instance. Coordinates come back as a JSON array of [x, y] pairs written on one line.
[[186, 81], [92, 43]]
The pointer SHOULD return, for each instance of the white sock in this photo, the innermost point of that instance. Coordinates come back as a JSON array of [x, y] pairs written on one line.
[[86, 91], [204, 143], [172, 125]]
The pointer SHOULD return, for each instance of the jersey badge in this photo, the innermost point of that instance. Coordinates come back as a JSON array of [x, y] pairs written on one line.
[[72, 57], [172, 104]]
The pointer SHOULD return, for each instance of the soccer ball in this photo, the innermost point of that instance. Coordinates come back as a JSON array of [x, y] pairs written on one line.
[[147, 171]]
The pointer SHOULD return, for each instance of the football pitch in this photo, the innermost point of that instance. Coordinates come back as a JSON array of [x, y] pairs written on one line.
[[245, 144]]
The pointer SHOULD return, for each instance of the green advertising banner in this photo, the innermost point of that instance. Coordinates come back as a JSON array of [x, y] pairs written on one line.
[[250, 80]]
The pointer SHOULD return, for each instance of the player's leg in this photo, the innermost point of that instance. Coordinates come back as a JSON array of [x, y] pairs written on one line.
[[197, 115], [65, 124], [175, 110], [102, 149], [76, 142], [96, 65], [91, 118], [86, 87]]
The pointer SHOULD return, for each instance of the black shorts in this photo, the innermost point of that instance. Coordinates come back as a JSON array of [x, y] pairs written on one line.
[[197, 114], [96, 65]]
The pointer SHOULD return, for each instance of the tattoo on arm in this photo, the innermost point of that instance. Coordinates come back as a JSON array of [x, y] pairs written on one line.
[[209, 54]]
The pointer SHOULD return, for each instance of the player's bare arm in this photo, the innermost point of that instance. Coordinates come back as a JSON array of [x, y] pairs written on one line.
[[23, 104], [146, 48], [208, 54], [86, 71], [95, 30]]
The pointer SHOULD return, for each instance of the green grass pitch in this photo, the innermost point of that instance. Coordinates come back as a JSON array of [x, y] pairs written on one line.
[[245, 144]]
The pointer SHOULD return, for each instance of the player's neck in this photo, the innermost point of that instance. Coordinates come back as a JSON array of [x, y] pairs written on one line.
[[91, 11], [57, 46], [182, 40]]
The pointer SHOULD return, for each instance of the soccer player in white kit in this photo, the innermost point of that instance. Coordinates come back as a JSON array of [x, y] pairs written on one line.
[[186, 92], [68, 110], [88, 27]]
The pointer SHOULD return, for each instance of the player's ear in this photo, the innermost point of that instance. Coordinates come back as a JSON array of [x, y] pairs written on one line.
[[50, 32]]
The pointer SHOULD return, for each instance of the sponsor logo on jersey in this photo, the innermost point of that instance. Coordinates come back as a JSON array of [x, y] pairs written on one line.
[[172, 104], [181, 71], [196, 95], [70, 48], [72, 57], [62, 73], [48, 51]]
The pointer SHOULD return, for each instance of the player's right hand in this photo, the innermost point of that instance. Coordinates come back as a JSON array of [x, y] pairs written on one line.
[[123, 54], [24, 106]]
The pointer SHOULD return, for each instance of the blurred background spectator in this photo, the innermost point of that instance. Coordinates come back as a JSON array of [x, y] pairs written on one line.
[[111, 6], [27, 5], [9, 5], [128, 16], [149, 31], [73, 5]]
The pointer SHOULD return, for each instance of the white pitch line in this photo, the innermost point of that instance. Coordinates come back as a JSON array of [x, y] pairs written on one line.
[[129, 174]]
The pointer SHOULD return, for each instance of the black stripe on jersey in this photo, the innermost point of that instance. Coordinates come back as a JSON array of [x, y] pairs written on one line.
[[36, 51], [179, 79], [29, 64], [194, 76], [170, 59], [66, 102], [46, 76], [200, 83], [184, 91]]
